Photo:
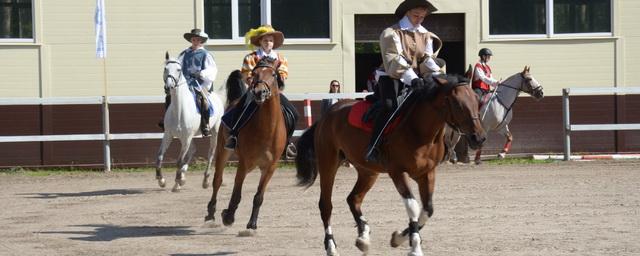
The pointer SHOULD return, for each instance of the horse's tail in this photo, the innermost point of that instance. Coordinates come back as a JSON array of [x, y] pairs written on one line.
[[306, 158], [235, 86]]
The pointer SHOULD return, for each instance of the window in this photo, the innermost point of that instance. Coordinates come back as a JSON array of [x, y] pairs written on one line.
[[231, 19], [582, 16], [16, 19], [535, 17]]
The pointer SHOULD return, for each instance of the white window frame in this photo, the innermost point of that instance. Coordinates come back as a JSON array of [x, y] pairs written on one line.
[[265, 18], [32, 39], [550, 26]]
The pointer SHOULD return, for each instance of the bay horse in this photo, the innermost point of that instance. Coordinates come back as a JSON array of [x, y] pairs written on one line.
[[412, 150], [182, 121], [497, 113], [260, 144]]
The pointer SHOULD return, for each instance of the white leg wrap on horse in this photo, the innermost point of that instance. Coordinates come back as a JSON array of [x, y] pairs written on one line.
[[331, 247], [363, 241], [413, 208], [416, 248]]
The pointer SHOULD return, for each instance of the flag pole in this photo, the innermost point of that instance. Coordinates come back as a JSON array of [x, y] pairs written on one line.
[[101, 53]]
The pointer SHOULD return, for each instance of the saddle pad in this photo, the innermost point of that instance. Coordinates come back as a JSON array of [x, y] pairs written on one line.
[[356, 113]]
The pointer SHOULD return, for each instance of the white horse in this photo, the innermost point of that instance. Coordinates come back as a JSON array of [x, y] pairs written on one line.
[[496, 114], [182, 121]]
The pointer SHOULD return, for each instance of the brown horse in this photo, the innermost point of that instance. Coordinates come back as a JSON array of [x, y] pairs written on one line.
[[412, 150], [261, 142]]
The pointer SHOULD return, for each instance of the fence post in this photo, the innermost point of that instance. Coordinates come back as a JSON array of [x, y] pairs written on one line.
[[105, 126], [566, 124], [307, 112]]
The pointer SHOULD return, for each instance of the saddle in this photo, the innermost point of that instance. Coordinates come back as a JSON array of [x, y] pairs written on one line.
[[246, 107], [362, 116]]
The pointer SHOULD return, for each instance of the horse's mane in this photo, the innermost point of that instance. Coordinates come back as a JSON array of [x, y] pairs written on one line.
[[452, 81], [235, 86]]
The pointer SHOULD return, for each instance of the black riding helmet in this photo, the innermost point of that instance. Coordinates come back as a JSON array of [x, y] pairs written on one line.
[[485, 51]]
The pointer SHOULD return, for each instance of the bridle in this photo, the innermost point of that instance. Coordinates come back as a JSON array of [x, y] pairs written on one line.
[[255, 83], [451, 110], [170, 76], [525, 79]]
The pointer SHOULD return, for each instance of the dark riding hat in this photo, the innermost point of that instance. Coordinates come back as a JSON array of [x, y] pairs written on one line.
[[407, 5], [485, 52], [196, 32]]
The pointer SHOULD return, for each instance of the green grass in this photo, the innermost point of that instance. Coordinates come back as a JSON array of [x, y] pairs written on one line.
[[198, 166], [519, 161]]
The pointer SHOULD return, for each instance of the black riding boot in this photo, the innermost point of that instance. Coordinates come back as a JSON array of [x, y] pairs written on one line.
[[373, 152], [204, 115], [167, 102], [240, 110]]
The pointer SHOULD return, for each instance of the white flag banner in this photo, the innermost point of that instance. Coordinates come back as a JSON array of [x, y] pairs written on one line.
[[101, 30]]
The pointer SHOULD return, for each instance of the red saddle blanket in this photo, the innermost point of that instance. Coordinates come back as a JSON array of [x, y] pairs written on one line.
[[358, 110]]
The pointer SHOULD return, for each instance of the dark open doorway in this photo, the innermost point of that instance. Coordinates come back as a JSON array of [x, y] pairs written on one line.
[[448, 26]]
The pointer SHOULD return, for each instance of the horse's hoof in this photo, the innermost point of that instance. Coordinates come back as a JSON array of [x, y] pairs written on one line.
[[502, 155], [162, 182], [182, 182], [478, 162], [227, 218], [176, 188], [247, 233], [363, 244], [205, 184], [398, 239], [211, 224]]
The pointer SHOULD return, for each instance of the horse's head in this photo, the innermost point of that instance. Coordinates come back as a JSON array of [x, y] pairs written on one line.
[[264, 82], [524, 82], [530, 85], [172, 73], [459, 105]]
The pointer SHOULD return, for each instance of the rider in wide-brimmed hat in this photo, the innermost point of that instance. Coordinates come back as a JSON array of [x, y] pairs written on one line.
[[267, 39], [199, 68], [409, 58]]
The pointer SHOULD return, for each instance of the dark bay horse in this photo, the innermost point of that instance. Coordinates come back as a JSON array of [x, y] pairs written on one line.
[[412, 150], [261, 142]]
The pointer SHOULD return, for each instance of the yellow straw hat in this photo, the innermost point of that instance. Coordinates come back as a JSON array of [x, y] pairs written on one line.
[[252, 38]]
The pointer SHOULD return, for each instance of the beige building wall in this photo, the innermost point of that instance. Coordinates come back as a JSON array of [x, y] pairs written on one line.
[[629, 24], [62, 60]]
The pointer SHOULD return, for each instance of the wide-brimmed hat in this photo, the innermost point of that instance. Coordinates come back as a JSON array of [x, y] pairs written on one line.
[[407, 5], [255, 34], [197, 33]]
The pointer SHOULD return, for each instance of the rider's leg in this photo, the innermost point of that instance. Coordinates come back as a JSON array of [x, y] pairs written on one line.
[[291, 116], [240, 111], [167, 102], [387, 89], [204, 113]]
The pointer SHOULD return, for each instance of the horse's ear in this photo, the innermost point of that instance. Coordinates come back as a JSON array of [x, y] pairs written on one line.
[[525, 69], [166, 56], [529, 69]]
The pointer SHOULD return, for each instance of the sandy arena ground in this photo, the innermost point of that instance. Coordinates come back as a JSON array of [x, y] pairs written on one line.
[[578, 208]]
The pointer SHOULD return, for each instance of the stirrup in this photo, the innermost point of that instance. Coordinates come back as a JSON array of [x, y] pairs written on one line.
[[231, 143], [206, 131]]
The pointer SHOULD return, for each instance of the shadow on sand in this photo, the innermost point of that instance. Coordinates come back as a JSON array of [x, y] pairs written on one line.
[[105, 233], [107, 192]]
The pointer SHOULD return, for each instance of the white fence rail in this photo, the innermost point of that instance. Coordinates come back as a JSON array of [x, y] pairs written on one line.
[[107, 136], [568, 127]]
